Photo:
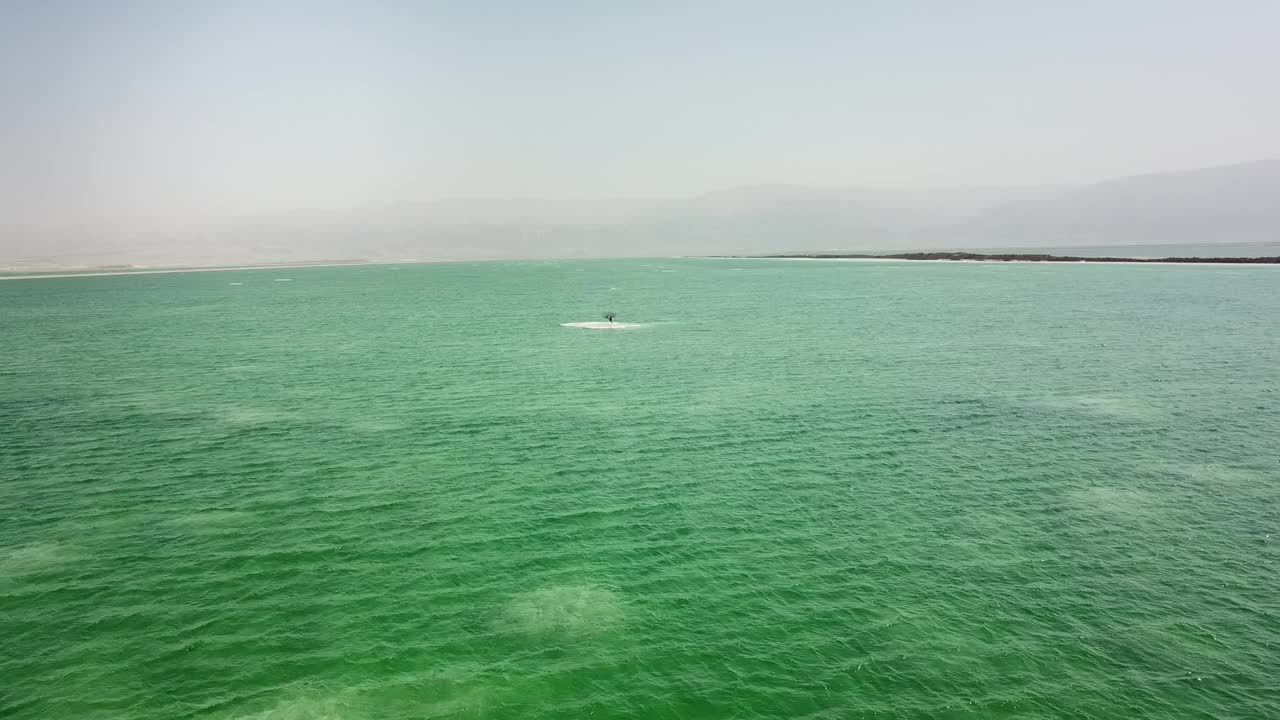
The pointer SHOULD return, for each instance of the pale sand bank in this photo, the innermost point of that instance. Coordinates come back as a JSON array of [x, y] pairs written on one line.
[[220, 268]]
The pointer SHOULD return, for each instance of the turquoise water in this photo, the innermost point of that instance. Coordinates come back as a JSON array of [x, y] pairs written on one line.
[[798, 490]]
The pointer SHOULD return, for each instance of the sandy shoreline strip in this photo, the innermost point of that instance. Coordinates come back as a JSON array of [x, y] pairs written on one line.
[[220, 268]]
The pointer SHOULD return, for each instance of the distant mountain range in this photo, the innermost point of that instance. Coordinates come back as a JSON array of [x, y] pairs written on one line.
[[1227, 204]]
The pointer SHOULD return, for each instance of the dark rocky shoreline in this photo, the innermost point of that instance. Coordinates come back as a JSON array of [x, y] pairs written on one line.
[[961, 256]]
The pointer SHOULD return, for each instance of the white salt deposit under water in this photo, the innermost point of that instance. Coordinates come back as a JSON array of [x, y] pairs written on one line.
[[601, 325]]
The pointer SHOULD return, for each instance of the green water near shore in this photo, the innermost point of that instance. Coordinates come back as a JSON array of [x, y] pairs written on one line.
[[798, 490]]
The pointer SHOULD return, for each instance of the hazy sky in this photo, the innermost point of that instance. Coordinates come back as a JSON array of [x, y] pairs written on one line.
[[175, 109]]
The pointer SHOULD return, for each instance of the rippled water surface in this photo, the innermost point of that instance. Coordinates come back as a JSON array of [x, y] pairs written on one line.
[[795, 490]]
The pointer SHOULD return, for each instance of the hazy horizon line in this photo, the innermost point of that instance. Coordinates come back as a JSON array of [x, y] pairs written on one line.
[[122, 221]]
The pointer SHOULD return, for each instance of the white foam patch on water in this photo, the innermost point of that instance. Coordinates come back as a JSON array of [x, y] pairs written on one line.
[[1214, 474], [283, 280], [33, 558], [419, 694], [601, 325], [1119, 407], [565, 609], [1112, 500], [306, 708], [235, 283]]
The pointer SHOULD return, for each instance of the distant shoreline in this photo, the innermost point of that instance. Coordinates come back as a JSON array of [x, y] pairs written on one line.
[[1023, 257], [90, 272]]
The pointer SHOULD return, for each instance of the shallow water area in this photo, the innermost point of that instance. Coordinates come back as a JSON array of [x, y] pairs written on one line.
[[570, 610]]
